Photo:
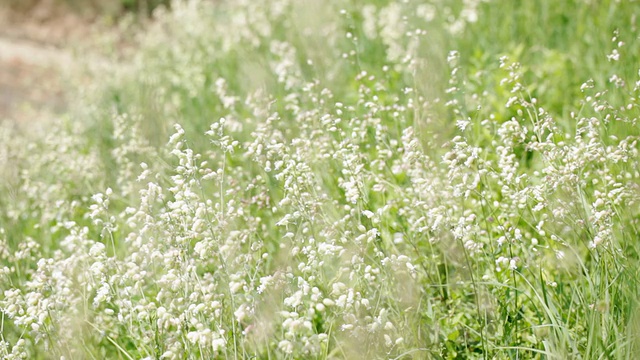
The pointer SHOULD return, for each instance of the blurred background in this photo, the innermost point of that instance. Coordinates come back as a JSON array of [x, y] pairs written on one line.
[[37, 41]]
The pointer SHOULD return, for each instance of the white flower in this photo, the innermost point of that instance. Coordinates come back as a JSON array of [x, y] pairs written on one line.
[[285, 346], [368, 214]]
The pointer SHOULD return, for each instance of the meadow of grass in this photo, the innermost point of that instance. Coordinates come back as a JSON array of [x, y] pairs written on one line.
[[339, 179]]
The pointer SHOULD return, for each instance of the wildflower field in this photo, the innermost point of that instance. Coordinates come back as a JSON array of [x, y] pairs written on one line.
[[299, 179]]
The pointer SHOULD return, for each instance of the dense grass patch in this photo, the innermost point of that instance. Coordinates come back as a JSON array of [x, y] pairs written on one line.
[[295, 179]]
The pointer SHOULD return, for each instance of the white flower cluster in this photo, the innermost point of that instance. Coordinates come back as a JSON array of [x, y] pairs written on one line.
[[309, 220]]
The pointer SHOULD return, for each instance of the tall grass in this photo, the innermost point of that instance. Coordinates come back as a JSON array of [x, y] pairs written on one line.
[[294, 179]]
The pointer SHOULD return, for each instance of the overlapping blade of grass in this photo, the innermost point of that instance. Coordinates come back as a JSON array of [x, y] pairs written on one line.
[[483, 198]]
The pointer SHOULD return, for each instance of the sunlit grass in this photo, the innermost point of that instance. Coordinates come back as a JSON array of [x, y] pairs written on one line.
[[286, 179]]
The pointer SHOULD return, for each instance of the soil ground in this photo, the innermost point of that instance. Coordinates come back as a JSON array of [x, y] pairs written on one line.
[[35, 54]]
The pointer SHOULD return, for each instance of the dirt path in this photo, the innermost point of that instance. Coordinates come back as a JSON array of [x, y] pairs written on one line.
[[39, 60], [32, 53], [35, 57], [31, 78]]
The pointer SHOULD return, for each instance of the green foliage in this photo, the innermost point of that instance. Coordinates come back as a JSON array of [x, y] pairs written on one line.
[[449, 180]]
